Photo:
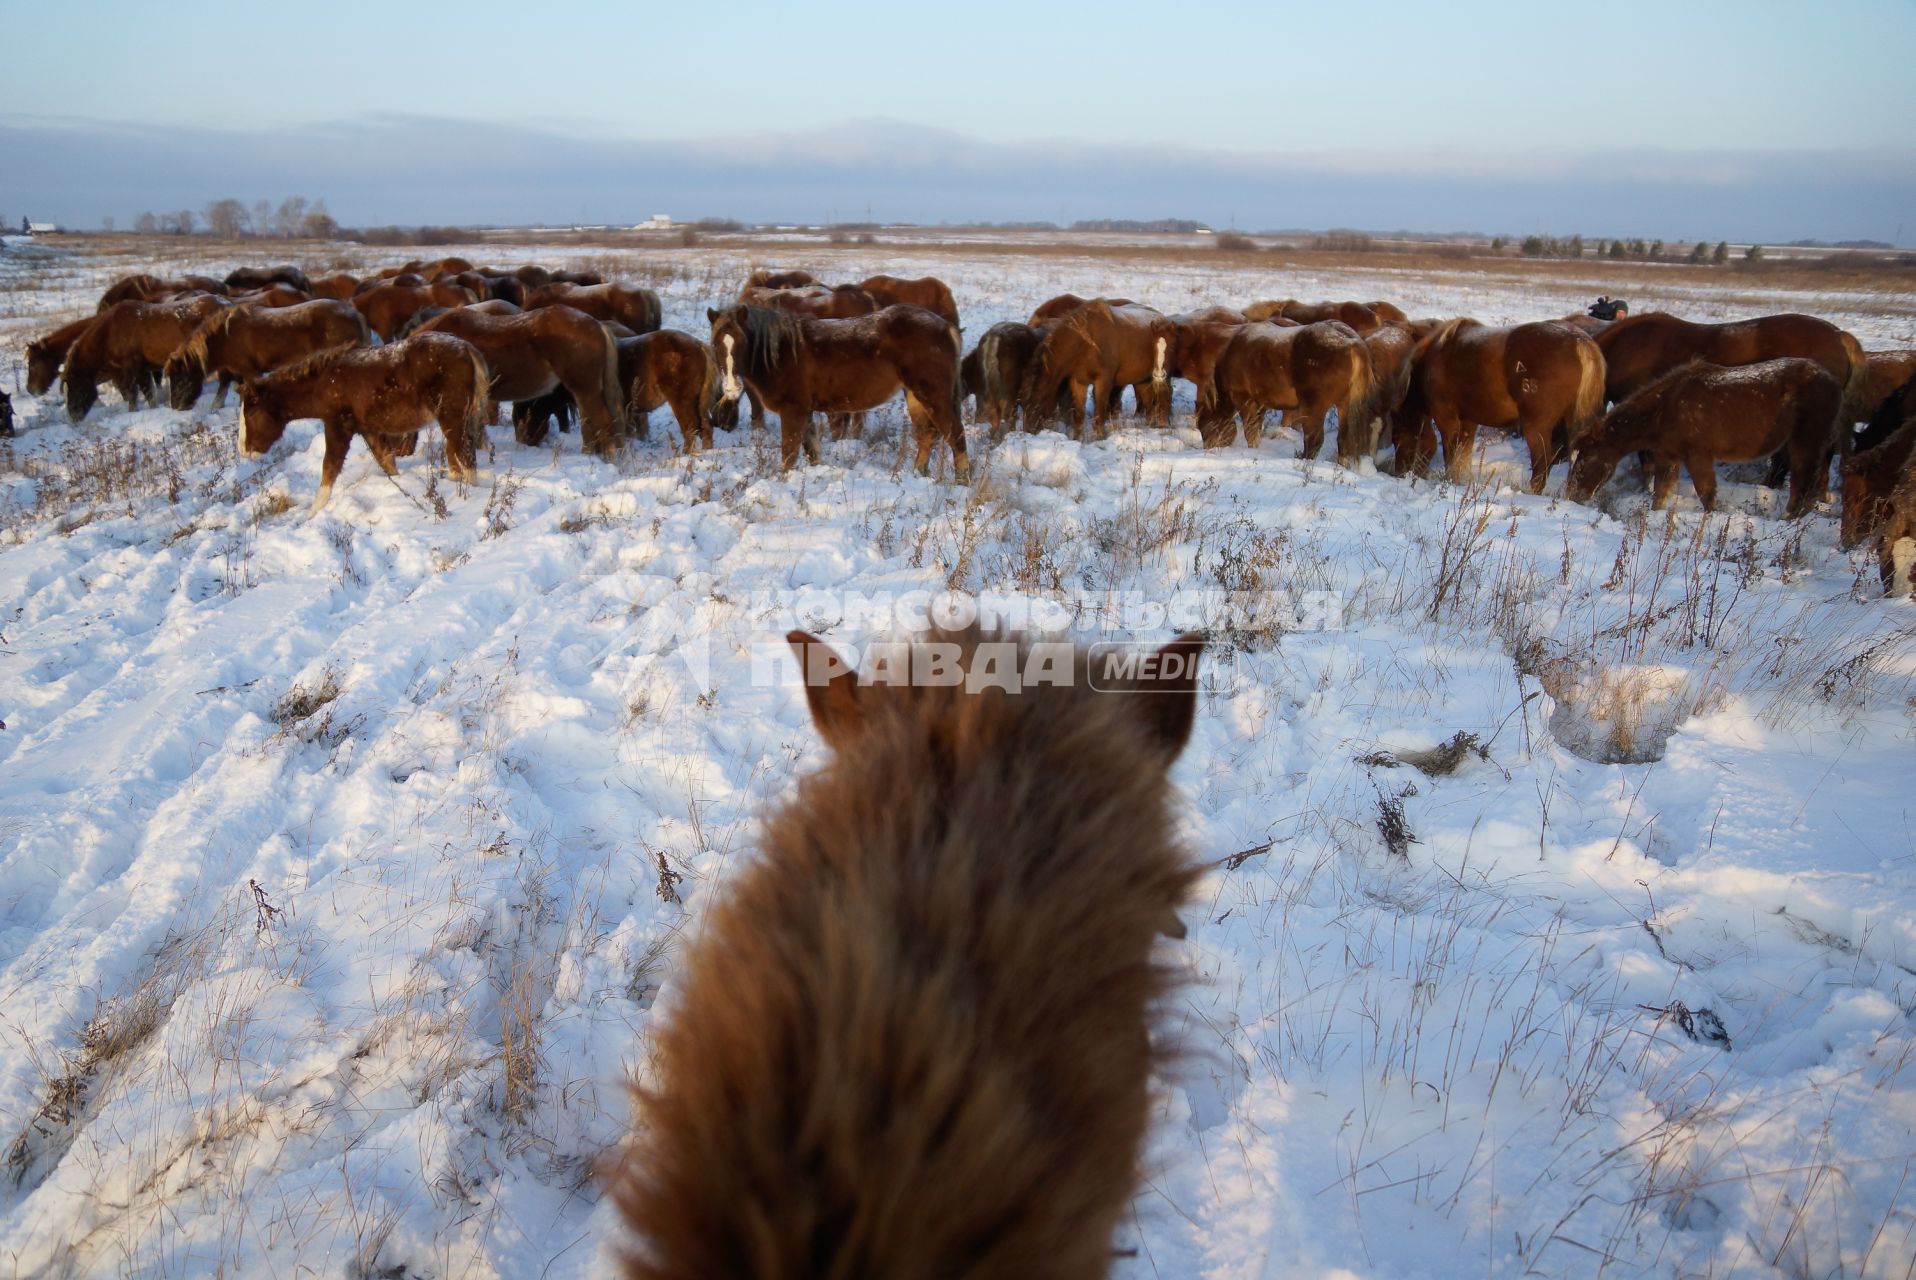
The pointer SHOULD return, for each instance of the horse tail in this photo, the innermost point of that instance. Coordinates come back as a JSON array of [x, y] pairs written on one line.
[[614, 392], [990, 372], [477, 404], [1856, 404], [1586, 411], [1038, 391], [957, 342], [1359, 407]]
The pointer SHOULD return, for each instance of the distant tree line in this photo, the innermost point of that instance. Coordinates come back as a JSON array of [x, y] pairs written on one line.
[[1621, 250], [1181, 226], [295, 217]]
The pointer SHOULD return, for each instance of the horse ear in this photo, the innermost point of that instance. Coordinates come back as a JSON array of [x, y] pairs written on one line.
[[1164, 701], [831, 688], [711, 316]]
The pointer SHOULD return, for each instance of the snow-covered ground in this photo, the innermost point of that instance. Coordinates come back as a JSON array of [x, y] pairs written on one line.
[[343, 861]]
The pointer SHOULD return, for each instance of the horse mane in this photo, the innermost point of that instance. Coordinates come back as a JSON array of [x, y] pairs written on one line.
[[770, 333], [307, 366], [193, 349], [1440, 337]]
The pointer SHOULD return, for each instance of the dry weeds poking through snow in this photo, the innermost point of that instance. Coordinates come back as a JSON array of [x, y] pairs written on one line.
[[1464, 1018]]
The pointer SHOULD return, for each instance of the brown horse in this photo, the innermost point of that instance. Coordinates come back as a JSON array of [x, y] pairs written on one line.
[[272, 295], [1388, 312], [913, 1037], [1897, 408], [338, 286], [1888, 372], [426, 315], [1701, 414], [388, 306], [150, 288], [44, 355], [246, 278], [1638, 350], [841, 302], [385, 394], [1102, 347], [1359, 316], [244, 342], [535, 352], [669, 367], [636, 309], [765, 279], [505, 288], [928, 292], [1202, 337], [1542, 379], [995, 370], [1311, 368], [1879, 498], [130, 342], [800, 366], [1064, 304]]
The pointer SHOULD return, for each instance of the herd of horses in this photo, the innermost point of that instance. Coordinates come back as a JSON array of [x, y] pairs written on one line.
[[564, 346]]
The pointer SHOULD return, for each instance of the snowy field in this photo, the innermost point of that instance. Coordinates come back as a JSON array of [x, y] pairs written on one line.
[[344, 861]]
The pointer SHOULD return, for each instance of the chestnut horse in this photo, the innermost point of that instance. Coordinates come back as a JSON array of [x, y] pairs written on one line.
[[130, 342], [426, 315], [636, 309], [534, 352], [148, 288], [913, 1038], [995, 370], [1311, 368], [1638, 350], [272, 295], [1879, 497], [385, 394], [1542, 379], [388, 306], [841, 302], [242, 278], [800, 366], [1102, 347], [1392, 346], [1064, 304], [1701, 414], [244, 342], [928, 292], [1202, 337], [1358, 315], [339, 286]]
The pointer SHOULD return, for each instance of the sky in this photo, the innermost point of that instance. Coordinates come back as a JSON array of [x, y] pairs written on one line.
[[1750, 120]]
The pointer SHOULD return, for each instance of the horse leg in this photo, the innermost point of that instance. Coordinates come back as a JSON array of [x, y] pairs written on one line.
[[1460, 439], [382, 454], [339, 437], [1252, 412], [1663, 478], [1106, 398], [219, 396], [811, 438], [1537, 438], [1703, 475], [1313, 429], [1779, 469], [758, 410], [529, 428]]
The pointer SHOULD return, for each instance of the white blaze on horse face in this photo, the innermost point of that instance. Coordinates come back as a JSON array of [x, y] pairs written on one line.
[[1157, 370], [731, 388]]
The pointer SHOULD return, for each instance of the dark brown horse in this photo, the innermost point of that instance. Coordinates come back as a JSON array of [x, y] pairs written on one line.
[[505, 288], [800, 366], [1202, 337], [1897, 408], [1393, 345], [928, 292], [1102, 348], [913, 1038], [669, 367], [1638, 350], [130, 342], [1887, 373], [150, 288], [388, 306], [533, 353], [246, 278], [1543, 379], [1879, 498], [383, 394], [1358, 315], [244, 342], [636, 309], [1311, 369], [1701, 414], [995, 370]]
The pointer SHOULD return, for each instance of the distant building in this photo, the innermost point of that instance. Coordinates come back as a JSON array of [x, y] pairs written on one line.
[[657, 222], [42, 228]]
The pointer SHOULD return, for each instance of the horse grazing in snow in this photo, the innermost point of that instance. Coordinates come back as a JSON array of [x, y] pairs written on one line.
[[1102, 347], [1700, 414], [243, 342], [800, 366], [928, 292], [383, 394], [913, 1038], [1311, 368]]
